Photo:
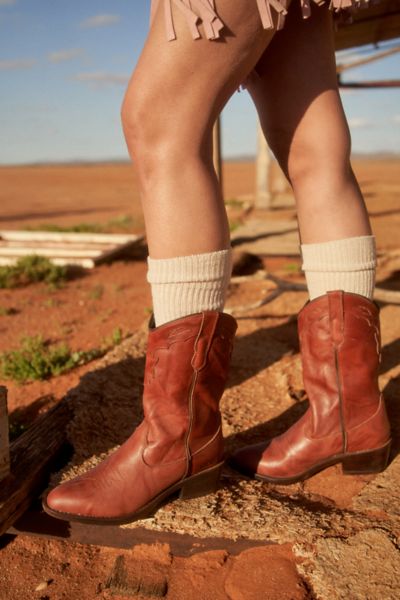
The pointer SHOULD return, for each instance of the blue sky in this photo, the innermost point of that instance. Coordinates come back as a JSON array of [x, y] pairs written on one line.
[[63, 71]]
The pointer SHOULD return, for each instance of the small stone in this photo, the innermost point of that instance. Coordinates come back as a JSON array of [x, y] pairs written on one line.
[[42, 586]]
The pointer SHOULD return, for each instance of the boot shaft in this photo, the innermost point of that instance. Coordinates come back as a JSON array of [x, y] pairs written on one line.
[[340, 346], [187, 365]]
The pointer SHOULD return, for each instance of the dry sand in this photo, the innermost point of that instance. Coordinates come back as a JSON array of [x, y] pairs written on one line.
[[337, 515]]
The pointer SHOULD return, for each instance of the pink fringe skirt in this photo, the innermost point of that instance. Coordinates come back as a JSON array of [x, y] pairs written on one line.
[[204, 11]]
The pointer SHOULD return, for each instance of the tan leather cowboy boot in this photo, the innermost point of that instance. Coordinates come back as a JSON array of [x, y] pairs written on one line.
[[346, 421], [178, 447]]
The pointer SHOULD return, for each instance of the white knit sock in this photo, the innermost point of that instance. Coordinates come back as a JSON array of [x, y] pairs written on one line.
[[348, 264], [185, 285]]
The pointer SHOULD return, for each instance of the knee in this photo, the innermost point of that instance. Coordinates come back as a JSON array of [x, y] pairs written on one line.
[[138, 125], [308, 156], [155, 136]]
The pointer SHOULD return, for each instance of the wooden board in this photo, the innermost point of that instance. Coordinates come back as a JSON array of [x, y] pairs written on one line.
[[4, 438], [32, 456], [81, 249], [377, 23]]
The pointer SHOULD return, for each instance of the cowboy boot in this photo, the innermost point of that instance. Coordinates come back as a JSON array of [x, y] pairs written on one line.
[[178, 447], [346, 421]]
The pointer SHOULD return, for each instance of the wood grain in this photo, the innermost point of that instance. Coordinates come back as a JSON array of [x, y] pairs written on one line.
[[31, 458], [4, 439]]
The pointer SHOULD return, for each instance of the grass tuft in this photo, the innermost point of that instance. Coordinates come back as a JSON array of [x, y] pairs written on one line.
[[36, 360], [31, 269], [119, 223], [293, 268], [114, 339], [123, 223], [96, 292], [116, 336], [54, 228], [234, 203], [234, 225]]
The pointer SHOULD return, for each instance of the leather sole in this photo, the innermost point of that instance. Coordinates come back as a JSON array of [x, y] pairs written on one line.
[[194, 486], [355, 463]]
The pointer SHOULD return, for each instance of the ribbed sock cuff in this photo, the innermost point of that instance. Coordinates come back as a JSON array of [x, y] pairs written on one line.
[[209, 266], [349, 254], [348, 264], [185, 285]]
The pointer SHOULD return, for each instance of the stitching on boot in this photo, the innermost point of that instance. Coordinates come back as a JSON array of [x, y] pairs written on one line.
[[214, 437], [190, 398], [341, 411]]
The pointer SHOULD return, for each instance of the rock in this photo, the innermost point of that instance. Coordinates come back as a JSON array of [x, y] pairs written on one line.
[[383, 493], [42, 586], [199, 577], [265, 573], [366, 566]]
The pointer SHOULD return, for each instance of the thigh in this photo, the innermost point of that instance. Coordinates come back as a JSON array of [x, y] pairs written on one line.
[[294, 87], [192, 79]]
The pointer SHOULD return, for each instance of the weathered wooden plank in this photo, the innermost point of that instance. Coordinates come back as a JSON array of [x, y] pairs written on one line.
[[4, 438], [370, 25], [18, 251], [71, 237], [85, 250], [85, 263], [31, 458]]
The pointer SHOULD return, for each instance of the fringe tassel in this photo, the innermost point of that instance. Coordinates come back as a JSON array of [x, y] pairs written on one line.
[[203, 11], [342, 4], [264, 8], [194, 11]]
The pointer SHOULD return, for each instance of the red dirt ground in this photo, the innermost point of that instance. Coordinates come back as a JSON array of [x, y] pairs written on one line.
[[84, 313]]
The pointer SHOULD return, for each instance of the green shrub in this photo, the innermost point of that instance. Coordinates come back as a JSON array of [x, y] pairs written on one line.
[[38, 360], [30, 269]]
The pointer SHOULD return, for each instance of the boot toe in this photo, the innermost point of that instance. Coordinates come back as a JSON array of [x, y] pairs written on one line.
[[68, 498]]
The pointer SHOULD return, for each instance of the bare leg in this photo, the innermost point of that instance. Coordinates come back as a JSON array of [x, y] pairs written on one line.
[[173, 99], [302, 117], [346, 422]]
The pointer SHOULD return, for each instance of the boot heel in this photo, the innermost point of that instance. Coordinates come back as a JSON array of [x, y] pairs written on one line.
[[202, 484], [373, 461]]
